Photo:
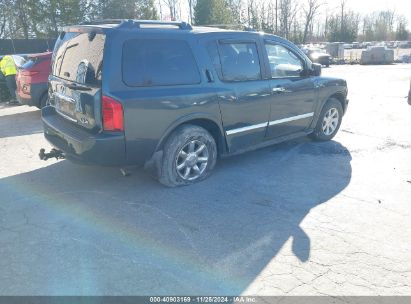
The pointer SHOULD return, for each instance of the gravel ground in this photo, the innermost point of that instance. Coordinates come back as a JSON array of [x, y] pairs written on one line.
[[299, 218]]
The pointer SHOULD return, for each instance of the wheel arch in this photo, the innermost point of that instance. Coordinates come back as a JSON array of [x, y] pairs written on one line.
[[205, 121], [340, 96]]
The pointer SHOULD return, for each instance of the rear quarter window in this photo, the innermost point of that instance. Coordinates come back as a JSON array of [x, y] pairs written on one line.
[[32, 62], [152, 62]]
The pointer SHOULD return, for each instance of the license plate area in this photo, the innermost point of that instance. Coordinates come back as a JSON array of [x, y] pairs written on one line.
[[65, 105]]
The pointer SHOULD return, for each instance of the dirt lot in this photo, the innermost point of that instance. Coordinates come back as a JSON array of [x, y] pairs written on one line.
[[300, 218]]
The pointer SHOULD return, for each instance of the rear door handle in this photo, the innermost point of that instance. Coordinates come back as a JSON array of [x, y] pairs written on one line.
[[209, 75]]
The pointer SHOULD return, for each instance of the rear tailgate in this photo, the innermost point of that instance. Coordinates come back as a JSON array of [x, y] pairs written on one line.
[[75, 83]]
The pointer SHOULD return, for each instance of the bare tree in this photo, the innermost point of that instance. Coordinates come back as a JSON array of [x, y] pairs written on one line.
[[309, 13], [21, 10], [172, 5], [191, 5], [3, 18], [288, 12], [343, 4]]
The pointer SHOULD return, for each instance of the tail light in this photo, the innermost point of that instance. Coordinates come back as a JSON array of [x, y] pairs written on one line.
[[26, 88], [33, 73], [112, 111], [29, 73]]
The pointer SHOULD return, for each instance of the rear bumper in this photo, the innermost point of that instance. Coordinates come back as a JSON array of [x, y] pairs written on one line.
[[79, 145], [37, 91], [24, 100]]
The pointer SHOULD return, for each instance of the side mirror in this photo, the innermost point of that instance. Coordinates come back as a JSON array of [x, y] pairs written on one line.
[[316, 69]]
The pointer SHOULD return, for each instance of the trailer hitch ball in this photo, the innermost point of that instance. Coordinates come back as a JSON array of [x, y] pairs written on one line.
[[42, 154], [54, 153]]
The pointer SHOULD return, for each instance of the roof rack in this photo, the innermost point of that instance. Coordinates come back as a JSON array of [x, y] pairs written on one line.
[[103, 21], [130, 23]]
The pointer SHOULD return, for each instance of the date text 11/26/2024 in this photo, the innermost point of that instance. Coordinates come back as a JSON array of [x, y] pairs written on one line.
[[205, 299]]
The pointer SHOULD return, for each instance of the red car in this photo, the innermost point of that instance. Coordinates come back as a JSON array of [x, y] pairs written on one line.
[[32, 78]]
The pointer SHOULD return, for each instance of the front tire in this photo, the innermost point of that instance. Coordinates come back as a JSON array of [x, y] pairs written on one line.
[[329, 121], [189, 156]]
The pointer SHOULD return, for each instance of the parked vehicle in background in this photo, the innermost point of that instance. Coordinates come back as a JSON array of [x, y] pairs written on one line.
[[174, 98], [19, 61], [356, 45], [32, 80], [319, 56], [404, 44]]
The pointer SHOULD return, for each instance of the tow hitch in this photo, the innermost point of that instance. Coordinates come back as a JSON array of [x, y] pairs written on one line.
[[54, 153]]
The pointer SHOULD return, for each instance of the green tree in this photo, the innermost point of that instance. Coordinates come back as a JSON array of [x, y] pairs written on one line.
[[212, 12], [346, 33], [121, 9], [146, 10], [117, 9]]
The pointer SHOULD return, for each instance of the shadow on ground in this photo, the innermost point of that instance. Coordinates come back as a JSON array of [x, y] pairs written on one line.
[[19, 124], [68, 229]]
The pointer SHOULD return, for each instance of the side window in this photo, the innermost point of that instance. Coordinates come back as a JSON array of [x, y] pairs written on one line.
[[235, 61], [283, 62], [149, 62]]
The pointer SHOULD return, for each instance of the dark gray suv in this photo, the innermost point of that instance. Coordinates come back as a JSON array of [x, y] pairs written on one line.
[[174, 98]]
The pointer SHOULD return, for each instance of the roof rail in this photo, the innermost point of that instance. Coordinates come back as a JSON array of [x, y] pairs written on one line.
[[180, 24], [137, 23], [103, 21]]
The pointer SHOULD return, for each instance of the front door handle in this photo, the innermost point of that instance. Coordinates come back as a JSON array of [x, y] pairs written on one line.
[[279, 90]]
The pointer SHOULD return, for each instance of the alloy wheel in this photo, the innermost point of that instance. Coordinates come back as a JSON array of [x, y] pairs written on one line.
[[192, 160], [330, 121]]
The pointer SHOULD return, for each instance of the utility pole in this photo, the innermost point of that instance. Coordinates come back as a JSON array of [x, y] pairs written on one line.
[[276, 17], [190, 4], [161, 10]]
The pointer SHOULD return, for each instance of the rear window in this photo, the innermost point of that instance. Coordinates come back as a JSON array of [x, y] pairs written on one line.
[[158, 63], [32, 62], [78, 57]]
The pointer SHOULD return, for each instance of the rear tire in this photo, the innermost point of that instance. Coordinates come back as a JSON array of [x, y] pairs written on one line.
[[189, 156], [329, 121]]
